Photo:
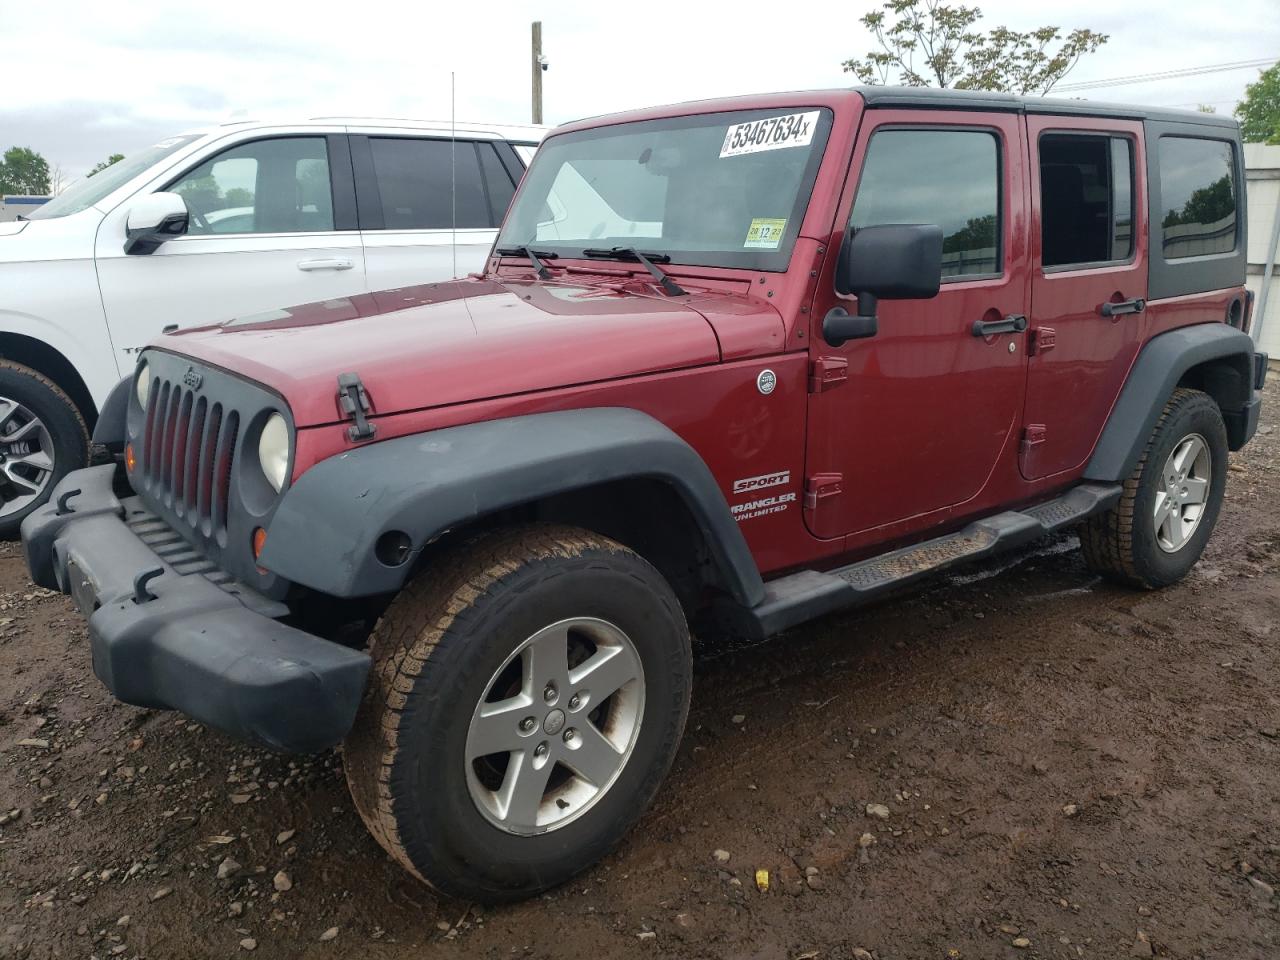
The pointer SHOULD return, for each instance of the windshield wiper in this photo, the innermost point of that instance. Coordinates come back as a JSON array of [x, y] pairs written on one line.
[[534, 256], [647, 260]]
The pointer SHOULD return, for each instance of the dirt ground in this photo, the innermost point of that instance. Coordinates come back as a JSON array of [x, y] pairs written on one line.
[[1065, 769]]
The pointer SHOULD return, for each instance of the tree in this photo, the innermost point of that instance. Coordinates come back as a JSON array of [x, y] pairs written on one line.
[[1205, 206], [1259, 111], [103, 164], [24, 171], [930, 43]]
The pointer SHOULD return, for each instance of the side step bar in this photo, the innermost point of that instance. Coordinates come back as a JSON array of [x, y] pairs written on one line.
[[798, 597]]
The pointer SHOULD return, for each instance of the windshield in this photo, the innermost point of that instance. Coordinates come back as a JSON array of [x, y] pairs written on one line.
[[724, 189], [90, 190]]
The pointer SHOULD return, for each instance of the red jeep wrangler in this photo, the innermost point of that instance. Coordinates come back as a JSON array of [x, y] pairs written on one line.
[[736, 364]]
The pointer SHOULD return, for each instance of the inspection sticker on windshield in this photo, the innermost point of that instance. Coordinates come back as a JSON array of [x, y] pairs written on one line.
[[764, 234], [771, 133]]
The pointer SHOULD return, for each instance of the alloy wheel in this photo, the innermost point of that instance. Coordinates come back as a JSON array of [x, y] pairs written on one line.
[[1183, 493], [26, 457], [555, 726]]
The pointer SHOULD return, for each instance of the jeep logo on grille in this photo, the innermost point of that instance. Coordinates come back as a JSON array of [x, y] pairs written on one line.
[[192, 378]]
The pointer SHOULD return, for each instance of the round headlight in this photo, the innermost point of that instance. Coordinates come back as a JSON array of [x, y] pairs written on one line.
[[273, 451], [142, 384]]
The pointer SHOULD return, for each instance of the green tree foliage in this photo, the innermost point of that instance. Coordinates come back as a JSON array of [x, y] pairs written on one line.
[[103, 164], [930, 43], [23, 171], [978, 234], [1206, 205], [1259, 111], [202, 194]]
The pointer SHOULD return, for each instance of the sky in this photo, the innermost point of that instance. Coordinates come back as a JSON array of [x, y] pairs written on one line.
[[97, 79]]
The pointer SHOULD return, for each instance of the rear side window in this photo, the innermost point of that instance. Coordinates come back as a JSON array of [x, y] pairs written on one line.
[[1086, 199], [1198, 196], [947, 177], [415, 177]]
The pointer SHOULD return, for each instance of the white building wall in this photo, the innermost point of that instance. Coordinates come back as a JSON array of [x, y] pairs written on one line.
[[1262, 171]]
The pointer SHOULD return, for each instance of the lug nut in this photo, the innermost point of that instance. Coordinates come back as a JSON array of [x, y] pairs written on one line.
[[570, 735], [575, 702], [549, 694], [540, 750], [527, 724]]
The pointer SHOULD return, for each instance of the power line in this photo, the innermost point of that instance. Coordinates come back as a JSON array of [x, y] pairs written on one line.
[[1166, 75]]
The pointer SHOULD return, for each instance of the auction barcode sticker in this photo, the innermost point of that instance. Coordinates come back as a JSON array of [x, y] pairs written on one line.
[[771, 133]]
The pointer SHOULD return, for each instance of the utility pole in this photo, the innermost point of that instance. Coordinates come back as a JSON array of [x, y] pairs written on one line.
[[537, 71]]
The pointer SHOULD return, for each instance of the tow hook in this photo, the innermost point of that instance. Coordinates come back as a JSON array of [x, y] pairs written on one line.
[[141, 594], [62, 508]]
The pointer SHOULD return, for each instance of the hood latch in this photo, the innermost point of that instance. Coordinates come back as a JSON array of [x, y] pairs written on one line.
[[353, 401]]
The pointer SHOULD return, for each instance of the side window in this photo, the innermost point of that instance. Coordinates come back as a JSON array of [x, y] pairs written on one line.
[[1198, 194], [1086, 199], [497, 182], [265, 186], [414, 181], [947, 177]]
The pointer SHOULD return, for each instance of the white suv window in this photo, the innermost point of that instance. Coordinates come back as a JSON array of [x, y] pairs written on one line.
[[279, 185]]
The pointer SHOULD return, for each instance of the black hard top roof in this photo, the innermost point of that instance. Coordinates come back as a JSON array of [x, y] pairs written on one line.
[[935, 99]]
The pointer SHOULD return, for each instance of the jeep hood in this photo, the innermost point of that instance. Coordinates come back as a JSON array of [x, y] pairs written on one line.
[[465, 340]]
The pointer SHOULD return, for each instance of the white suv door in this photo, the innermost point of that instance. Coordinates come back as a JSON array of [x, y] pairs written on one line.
[[410, 216], [272, 224]]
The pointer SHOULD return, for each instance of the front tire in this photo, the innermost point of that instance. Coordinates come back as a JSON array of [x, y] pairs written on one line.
[[1159, 529], [527, 697], [43, 437]]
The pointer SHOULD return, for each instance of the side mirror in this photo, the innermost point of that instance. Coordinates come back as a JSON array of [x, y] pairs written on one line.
[[153, 220], [892, 261]]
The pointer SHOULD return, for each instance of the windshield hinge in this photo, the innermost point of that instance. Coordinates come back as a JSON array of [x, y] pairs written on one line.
[[827, 372], [353, 401]]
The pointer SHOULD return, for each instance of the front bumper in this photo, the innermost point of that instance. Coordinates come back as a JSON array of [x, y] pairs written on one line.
[[214, 651]]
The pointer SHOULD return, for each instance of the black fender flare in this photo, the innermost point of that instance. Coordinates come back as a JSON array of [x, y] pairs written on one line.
[[110, 430], [1161, 364], [325, 529]]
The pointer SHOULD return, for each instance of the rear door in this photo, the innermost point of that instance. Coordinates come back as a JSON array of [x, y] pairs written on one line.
[[1089, 285], [913, 420], [429, 206]]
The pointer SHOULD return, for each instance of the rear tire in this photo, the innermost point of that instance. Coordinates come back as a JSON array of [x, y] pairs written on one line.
[[458, 711], [1159, 529], [43, 437]]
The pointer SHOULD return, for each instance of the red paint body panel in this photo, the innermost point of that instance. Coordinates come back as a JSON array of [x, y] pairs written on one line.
[[476, 339]]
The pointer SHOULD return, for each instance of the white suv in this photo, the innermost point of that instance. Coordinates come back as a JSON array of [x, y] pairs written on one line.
[[217, 224]]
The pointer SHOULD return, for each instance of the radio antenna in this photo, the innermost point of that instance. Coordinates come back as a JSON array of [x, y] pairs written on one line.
[[453, 169]]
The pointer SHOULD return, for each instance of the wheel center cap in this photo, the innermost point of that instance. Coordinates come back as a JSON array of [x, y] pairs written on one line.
[[554, 722]]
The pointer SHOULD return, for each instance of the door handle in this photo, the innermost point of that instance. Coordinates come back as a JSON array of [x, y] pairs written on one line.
[[1136, 305], [332, 263], [1014, 323]]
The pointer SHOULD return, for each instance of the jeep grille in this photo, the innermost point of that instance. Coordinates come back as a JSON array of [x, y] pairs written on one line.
[[187, 455]]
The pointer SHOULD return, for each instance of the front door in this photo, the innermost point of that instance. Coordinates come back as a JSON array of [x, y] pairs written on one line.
[[912, 422], [1089, 286], [264, 232]]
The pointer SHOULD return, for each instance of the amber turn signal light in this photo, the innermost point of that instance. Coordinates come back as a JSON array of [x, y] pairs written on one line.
[[130, 458], [259, 541]]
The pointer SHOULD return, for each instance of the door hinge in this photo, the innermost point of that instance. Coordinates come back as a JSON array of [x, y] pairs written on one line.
[[820, 487], [827, 372], [1042, 339], [353, 401], [1033, 438]]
